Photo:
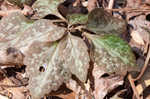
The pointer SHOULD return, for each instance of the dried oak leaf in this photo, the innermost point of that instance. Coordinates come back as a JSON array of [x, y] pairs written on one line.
[[46, 7], [100, 21], [113, 54]]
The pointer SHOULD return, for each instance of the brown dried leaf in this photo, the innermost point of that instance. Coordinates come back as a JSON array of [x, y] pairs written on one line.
[[104, 85], [141, 26], [137, 38]]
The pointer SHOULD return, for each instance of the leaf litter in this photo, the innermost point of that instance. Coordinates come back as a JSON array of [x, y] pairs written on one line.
[[54, 55]]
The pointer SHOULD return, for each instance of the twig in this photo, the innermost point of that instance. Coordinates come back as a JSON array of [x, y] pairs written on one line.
[[111, 4], [12, 86], [129, 10], [133, 86]]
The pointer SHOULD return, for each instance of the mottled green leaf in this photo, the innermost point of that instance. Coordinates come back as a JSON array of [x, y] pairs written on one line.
[[13, 24], [77, 58], [77, 18], [19, 31], [100, 21], [113, 54], [11, 27], [45, 7], [60, 60], [42, 30], [48, 56]]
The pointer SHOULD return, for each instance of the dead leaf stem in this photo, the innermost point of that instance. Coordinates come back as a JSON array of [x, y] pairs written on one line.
[[131, 80], [130, 10], [111, 4]]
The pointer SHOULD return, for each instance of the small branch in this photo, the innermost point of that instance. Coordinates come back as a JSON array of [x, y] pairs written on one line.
[[129, 10], [12, 86], [133, 86], [111, 4]]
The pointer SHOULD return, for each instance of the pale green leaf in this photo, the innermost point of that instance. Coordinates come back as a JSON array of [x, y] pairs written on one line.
[[77, 18], [113, 54]]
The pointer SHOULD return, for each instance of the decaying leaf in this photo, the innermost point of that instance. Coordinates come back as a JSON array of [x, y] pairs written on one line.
[[45, 56], [11, 56], [103, 85], [113, 54], [46, 7], [100, 21], [77, 18], [137, 38], [77, 58]]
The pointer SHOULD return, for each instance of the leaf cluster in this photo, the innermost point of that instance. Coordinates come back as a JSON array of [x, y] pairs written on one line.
[[54, 53]]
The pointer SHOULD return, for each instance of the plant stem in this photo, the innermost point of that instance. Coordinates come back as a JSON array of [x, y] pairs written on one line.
[[133, 86]]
